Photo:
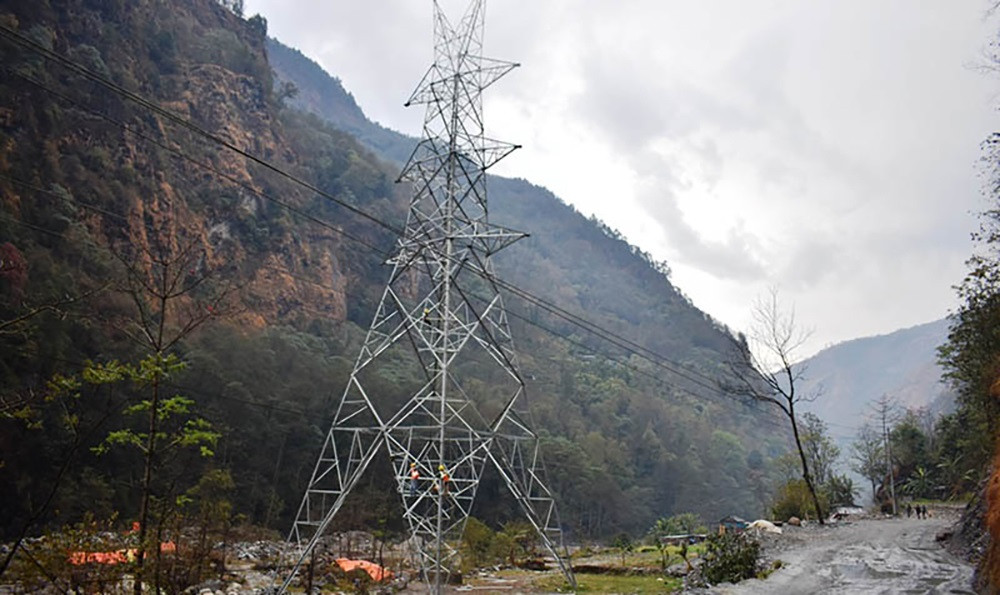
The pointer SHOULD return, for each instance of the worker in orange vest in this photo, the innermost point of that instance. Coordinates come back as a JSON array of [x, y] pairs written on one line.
[[414, 478], [445, 479]]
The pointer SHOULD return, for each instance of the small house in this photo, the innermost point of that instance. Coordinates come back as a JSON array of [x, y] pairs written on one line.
[[732, 523]]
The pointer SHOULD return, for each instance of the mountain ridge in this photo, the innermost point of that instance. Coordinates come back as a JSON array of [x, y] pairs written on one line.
[[902, 364]]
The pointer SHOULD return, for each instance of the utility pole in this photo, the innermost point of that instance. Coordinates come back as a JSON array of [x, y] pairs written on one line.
[[884, 408], [440, 309]]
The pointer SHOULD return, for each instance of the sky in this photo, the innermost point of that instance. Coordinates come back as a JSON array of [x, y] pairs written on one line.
[[828, 149]]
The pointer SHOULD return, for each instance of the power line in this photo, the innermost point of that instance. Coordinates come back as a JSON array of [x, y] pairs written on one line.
[[597, 330], [180, 154], [28, 43], [294, 275], [609, 336], [713, 394]]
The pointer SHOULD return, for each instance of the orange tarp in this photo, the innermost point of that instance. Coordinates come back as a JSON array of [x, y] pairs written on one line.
[[116, 557], [119, 557], [374, 570]]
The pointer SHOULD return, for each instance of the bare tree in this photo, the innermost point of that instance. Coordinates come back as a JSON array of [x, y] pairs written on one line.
[[763, 368]]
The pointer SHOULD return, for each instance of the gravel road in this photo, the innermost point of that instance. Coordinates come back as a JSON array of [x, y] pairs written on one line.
[[865, 556]]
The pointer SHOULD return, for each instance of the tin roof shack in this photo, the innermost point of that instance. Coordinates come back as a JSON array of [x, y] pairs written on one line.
[[732, 524]]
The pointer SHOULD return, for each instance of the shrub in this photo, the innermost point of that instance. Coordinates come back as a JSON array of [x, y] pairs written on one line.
[[794, 500], [730, 558], [476, 545]]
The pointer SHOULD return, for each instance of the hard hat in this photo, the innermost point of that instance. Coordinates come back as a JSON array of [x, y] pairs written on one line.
[[413, 464], [440, 467]]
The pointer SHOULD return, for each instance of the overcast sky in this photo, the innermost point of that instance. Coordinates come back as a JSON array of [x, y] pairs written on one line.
[[826, 148]]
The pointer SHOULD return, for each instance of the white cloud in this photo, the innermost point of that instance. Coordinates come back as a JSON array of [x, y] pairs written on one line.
[[824, 147]]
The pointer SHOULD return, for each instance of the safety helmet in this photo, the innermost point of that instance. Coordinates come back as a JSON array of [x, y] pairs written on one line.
[[440, 467]]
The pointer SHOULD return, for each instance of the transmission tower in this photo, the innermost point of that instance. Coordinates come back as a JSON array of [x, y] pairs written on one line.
[[441, 311]]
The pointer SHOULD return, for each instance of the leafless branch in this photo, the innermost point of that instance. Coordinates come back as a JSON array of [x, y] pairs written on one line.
[[8, 326]]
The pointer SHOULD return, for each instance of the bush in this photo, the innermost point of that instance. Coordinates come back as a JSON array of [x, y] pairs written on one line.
[[730, 558], [794, 500], [476, 545]]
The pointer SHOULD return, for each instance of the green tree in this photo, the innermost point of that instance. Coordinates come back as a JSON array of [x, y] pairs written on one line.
[[212, 511], [909, 448], [821, 451], [623, 543], [840, 490], [955, 470], [68, 404], [919, 485], [173, 427], [971, 355], [169, 285], [795, 499], [477, 542], [868, 456]]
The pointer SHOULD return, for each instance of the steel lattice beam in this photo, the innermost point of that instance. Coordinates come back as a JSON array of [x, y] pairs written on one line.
[[441, 305]]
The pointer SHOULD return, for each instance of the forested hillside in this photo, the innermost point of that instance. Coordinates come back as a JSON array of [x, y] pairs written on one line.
[[164, 205]]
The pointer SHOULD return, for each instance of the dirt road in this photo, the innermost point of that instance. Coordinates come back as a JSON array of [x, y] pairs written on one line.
[[865, 556]]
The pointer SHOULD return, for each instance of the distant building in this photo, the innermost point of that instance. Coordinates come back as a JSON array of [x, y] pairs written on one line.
[[732, 523]]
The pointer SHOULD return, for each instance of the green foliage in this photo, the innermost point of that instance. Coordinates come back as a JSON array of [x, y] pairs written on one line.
[[481, 546], [624, 544], [477, 545], [839, 490], [793, 499], [641, 584], [679, 524], [730, 558], [909, 446], [919, 485], [821, 451], [868, 456], [971, 356], [184, 431], [207, 508]]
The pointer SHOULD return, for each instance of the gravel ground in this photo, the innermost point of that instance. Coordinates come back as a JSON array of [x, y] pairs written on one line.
[[864, 556]]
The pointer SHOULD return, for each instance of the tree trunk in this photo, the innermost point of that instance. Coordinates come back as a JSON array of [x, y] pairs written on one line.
[[805, 466], [147, 476]]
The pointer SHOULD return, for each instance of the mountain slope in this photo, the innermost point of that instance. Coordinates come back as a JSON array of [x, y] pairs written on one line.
[[589, 266], [92, 181], [902, 364]]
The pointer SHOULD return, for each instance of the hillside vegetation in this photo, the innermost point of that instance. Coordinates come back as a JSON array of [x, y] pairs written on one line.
[[127, 235]]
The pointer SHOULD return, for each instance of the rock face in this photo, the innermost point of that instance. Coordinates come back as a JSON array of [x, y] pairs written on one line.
[[154, 186], [987, 537]]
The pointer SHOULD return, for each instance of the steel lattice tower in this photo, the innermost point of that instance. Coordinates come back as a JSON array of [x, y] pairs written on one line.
[[442, 310]]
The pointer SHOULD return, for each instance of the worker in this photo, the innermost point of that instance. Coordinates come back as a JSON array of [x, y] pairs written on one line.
[[445, 479], [414, 478]]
